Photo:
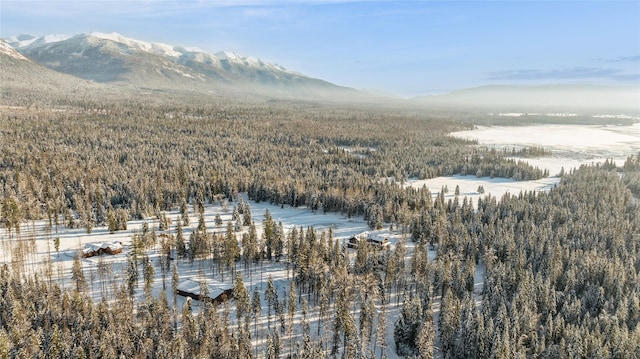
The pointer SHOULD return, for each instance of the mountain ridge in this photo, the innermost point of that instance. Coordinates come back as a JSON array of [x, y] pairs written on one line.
[[25, 42], [111, 58]]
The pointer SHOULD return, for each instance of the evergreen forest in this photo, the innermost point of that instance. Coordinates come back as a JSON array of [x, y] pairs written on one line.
[[560, 269]]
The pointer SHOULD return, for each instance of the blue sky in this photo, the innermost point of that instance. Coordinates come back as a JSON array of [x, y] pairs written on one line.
[[402, 47]]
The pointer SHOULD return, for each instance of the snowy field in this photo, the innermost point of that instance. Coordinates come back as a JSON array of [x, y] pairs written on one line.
[[571, 146], [468, 186], [105, 273], [40, 241]]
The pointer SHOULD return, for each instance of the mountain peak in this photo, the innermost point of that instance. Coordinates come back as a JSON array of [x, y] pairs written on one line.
[[182, 52], [227, 55], [25, 40], [151, 47]]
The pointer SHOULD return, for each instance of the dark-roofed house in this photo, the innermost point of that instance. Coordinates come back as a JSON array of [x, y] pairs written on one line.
[[374, 240], [218, 292]]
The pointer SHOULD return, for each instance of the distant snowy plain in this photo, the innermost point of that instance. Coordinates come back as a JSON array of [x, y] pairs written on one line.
[[571, 146]]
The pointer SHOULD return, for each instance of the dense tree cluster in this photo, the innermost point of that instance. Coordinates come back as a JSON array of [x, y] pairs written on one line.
[[68, 324], [562, 273], [83, 167], [631, 174], [39, 320]]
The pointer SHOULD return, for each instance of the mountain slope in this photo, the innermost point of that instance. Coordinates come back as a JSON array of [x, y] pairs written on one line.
[[8, 51], [24, 82]]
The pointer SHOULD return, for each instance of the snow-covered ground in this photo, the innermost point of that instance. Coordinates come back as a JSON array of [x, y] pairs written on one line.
[[468, 186], [571, 146], [72, 241], [105, 273]]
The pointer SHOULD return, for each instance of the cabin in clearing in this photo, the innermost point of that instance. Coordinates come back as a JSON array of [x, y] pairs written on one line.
[[218, 292], [93, 249], [374, 240]]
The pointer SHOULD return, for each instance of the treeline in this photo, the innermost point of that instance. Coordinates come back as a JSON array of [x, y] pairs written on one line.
[[532, 151], [528, 119], [75, 165]]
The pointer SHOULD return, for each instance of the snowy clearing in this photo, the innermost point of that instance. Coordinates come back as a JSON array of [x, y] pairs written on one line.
[[469, 185], [105, 273], [571, 145]]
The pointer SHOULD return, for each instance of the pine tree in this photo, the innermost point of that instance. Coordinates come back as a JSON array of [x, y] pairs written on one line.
[[175, 278], [467, 337], [202, 226], [381, 327], [148, 272], [256, 306], [278, 242], [253, 250], [426, 339], [247, 215], [270, 350], [184, 212], [292, 311], [56, 245], [113, 224], [181, 247], [189, 329], [273, 345], [407, 326], [132, 275], [243, 302], [271, 296], [122, 216], [449, 320], [77, 274], [268, 232], [231, 249], [56, 347], [235, 216]]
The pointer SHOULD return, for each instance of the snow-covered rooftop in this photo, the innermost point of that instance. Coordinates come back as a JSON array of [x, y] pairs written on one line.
[[193, 286]]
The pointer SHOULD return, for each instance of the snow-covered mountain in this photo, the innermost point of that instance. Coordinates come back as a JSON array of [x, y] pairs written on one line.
[[113, 58], [23, 41], [24, 81]]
